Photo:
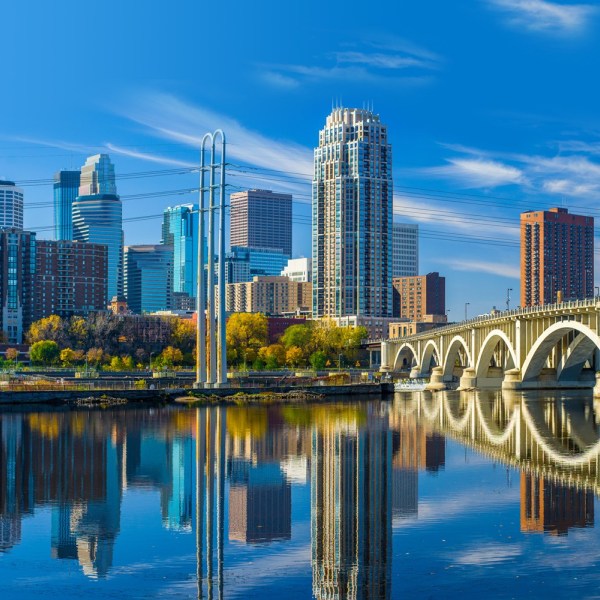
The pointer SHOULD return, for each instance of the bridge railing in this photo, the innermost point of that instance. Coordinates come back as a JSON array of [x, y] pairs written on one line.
[[499, 317]]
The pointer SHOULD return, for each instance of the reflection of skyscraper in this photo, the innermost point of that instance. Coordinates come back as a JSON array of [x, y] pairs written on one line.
[[63, 543], [351, 511], [554, 507], [179, 506]]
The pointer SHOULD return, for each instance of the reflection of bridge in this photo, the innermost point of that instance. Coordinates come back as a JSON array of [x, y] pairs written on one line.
[[556, 439], [547, 347]]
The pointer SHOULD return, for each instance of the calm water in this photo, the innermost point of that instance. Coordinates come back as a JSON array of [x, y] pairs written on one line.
[[471, 495]]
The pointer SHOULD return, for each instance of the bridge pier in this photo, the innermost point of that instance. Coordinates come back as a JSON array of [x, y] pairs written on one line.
[[468, 379], [436, 381]]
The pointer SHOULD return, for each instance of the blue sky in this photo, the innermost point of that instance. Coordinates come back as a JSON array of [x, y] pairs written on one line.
[[492, 108]]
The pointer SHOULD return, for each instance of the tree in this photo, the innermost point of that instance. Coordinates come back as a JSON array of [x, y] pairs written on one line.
[[170, 357], [184, 335], [246, 333], [94, 356], [318, 360], [273, 356], [12, 354], [67, 356], [294, 356], [44, 352], [297, 335], [49, 328], [79, 332]]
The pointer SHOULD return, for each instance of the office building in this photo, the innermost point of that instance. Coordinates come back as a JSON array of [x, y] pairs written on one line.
[[557, 257], [148, 277], [17, 276], [270, 296], [405, 253], [180, 231], [352, 217], [242, 264], [11, 205], [416, 297], [66, 190], [70, 278], [261, 219], [298, 269], [98, 216]]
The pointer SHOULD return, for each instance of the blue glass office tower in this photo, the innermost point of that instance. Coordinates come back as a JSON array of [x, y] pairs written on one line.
[[148, 277], [98, 216], [66, 190], [180, 231]]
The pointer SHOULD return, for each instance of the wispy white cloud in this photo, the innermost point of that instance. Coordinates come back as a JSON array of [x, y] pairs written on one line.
[[478, 172], [372, 62], [487, 554], [155, 158], [494, 268], [74, 147], [545, 16]]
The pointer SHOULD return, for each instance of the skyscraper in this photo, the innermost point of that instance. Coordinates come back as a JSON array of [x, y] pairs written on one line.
[[11, 205], [352, 217], [262, 219], [66, 189], [557, 255], [148, 277], [180, 231], [98, 216], [405, 242]]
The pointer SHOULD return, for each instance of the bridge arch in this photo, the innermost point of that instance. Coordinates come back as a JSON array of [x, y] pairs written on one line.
[[580, 351], [406, 357], [430, 352], [488, 348], [453, 353]]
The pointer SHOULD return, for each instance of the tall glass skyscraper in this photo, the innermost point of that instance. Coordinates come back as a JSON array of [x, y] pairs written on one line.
[[11, 205], [352, 217], [66, 190], [180, 230], [98, 216]]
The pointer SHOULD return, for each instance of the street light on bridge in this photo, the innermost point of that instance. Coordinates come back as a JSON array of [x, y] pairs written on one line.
[[508, 291], [466, 305]]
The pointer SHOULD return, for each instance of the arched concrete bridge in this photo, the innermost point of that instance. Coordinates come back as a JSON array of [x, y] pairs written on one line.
[[547, 347]]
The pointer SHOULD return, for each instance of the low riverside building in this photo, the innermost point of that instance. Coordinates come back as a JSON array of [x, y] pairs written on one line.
[[404, 327], [270, 295]]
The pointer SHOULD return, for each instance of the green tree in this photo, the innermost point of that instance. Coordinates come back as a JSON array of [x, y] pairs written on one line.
[[318, 360], [297, 335], [246, 334], [273, 356], [45, 352], [170, 357]]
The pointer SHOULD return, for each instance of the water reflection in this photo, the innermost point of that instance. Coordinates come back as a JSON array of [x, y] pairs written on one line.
[[225, 478]]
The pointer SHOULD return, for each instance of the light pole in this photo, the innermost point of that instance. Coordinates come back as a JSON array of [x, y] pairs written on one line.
[[447, 311], [508, 291], [466, 307]]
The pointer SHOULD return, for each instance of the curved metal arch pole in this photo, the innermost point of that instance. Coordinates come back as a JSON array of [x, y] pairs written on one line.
[[201, 286], [222, 359], [212, 341]]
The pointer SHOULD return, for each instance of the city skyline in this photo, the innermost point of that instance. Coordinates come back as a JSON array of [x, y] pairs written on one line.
[[470, 152]]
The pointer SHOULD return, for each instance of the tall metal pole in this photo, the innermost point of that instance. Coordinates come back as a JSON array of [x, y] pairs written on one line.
[[222, 374], [212, 342], [201, 286]]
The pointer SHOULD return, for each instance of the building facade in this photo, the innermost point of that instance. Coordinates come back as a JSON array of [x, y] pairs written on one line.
[[148, 277], [70, 278], [405, 243], [557, 256], [66, 190], [180, 231], [261, 219], [98, 217], [11, 205], [298, 269], [270, 296], [415, 297], [352, 217], [17, 276]]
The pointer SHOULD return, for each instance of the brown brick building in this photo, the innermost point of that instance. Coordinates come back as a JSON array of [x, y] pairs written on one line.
[[557, 255], [70, 278], [415, 297]]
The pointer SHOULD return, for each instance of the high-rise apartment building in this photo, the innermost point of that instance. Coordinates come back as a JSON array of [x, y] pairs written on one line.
[[557, 255], [11, 205], [415, 297], [70, 278], [352, 217], [98, 216], [261, 219], [405, 243], [17, 273], [180, 231], [66, 190], [148, 277]]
